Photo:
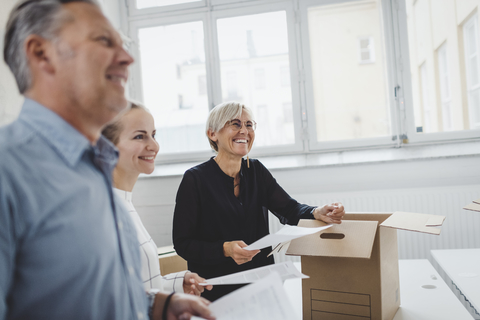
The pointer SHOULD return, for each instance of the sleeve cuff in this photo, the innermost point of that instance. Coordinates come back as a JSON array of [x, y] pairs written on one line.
[[173, 282]]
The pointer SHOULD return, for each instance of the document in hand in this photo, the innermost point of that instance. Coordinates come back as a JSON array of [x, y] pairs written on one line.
[[264, 299], [286, 270], [287, 233]]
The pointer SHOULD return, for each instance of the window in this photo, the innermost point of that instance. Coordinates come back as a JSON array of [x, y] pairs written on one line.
[[366, 50], [444, 80], [434, 40], [231, 85], [259, 75], [202, 84], [172, 59], [252, 47], [470, 39], [285, 76], [350, 99], [318, 75], [425, 125], [142, 4]]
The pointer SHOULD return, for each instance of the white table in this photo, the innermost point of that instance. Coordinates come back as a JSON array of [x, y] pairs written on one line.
[[417, 302], [462, 266]]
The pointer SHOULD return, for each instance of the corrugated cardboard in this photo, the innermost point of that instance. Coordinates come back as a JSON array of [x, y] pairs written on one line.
[[475, 206], [338, 241], [357, 277], [170, 261]]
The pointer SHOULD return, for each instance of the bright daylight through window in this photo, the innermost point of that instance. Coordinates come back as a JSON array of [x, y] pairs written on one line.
[[174, 85], [348, 71], [319, 77], [443, 42], [255, 71]]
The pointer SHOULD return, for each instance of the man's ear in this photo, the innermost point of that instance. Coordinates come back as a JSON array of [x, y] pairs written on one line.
[[212, 135], [38, 51]]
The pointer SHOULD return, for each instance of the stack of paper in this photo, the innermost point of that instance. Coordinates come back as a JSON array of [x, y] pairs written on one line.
[[264, 299]]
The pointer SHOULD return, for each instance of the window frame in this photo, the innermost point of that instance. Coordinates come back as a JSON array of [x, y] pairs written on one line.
[[209, 19], [472, 20], [134, 12], [399, 19], [399, 95], [286, 6], [136, 90], [325, 146]]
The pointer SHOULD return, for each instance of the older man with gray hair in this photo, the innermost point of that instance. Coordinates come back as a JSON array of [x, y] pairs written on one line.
[[67, 247]]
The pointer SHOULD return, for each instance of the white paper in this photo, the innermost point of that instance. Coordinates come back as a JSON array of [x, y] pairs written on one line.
[[286, 270], [264, 299], [285, 234], [280, 248]]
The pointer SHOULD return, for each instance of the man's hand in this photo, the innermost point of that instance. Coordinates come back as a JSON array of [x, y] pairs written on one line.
[[181, 307], [331, 213], [191, 284], [234, 250]]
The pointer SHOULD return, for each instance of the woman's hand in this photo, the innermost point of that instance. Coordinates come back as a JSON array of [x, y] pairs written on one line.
[[234, 250], [191, 284], [331, 213]]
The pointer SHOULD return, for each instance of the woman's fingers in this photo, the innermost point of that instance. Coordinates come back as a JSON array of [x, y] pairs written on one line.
[[234, 249], [241, 255]]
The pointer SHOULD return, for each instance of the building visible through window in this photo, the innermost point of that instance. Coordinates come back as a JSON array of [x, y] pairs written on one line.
[[202, 84], [259, 76], [254, 65], [285, 76], [366, 50], [444, 81], [426, 106], [472, 63]]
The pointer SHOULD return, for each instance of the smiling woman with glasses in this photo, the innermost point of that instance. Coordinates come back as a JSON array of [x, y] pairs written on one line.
[[222, 204]]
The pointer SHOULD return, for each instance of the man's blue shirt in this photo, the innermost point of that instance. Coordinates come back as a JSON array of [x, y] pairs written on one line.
[[67, 247]]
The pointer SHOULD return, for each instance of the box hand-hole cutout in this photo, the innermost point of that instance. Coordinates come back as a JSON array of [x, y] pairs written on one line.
[[335, 236]]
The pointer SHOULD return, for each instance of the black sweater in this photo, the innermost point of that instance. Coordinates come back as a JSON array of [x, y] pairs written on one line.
[[207, 214]]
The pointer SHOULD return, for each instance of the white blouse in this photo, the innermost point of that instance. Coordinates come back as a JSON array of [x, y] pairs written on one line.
[[152, 279]]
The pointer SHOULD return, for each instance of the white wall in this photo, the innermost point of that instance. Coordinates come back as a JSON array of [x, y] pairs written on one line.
[[10, 99], [412, 185]]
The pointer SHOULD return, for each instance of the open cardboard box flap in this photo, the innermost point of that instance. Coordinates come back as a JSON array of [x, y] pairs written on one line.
[[419, 222], [353, 239]]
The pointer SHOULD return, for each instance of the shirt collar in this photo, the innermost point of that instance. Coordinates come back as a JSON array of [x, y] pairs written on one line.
[[67, 141], [223, 174], [106, 155], [125, 195]]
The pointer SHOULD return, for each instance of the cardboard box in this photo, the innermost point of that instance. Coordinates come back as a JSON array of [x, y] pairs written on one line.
[[474, 206], [353, 267], [170, 261]]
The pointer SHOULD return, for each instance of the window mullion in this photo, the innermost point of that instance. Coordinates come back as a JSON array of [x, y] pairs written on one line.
[[211, 52], [302, 101], [216, 81], [400, 84]]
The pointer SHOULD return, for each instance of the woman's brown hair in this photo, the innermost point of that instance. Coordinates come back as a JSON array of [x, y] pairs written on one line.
[[113, 129]]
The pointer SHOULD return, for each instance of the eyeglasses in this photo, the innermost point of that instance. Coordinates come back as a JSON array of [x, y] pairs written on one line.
[[236, 124]]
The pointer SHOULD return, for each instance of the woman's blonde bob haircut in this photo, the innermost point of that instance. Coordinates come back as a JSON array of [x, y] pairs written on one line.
[[222, 113]]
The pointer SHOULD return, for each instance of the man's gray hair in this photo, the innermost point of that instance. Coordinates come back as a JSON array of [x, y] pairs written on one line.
[[222, 113], [41, 17]]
